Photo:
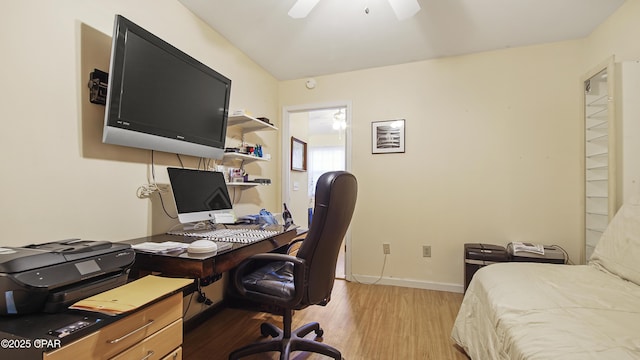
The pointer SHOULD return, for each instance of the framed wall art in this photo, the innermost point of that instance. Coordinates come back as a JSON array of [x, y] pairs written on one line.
[[298, 155], [387, 136]]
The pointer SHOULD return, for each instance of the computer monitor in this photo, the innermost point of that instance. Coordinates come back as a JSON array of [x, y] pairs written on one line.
[[200, 195]]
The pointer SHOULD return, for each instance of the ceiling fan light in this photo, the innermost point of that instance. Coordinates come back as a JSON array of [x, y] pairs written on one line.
[[302, 8], [404, 9]]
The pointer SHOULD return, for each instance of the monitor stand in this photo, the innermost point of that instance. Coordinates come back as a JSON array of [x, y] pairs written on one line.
[[224, 218]]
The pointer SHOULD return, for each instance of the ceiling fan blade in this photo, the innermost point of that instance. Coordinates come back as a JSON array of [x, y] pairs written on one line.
[[302, 8], [404, 9]]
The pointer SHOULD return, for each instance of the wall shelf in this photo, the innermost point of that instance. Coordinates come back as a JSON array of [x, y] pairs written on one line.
[[249, 123], [246, 124], [243, 157], [242, 184], [246, 184]]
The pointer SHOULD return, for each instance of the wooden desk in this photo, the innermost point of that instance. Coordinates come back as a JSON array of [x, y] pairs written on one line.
[[155, 328], [184, 264]]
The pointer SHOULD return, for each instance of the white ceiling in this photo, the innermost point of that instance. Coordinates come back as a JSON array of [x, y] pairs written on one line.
[[339, 36]]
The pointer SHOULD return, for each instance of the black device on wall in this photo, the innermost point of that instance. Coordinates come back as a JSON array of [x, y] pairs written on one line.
[[160, 98]]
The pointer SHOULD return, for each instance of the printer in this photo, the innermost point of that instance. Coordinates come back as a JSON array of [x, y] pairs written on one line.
[[51, 276]]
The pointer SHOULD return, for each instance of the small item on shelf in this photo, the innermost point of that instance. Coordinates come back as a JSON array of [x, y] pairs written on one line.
[[236, 175], [234, 149], [264, 119]]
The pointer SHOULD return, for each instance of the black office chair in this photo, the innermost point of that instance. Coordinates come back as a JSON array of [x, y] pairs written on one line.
[[285, 283]]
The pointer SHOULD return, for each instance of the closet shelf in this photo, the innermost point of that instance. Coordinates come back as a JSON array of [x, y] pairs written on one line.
[[597, 179], [597, 196], [597, 213], [600, 125], [600, 114], [599, 101], [599, 167], [598, 138], [598, 155]]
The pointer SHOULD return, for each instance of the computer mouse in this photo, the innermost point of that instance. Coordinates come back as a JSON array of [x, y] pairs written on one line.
[[202, 246]]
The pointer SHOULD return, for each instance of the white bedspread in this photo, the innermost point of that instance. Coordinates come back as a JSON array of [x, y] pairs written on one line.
[[546, 311]]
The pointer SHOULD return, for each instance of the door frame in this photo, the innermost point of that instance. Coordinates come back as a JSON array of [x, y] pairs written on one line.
[[286, 161]]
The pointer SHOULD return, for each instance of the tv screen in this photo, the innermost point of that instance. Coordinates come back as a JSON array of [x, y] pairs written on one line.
[[160, 98]]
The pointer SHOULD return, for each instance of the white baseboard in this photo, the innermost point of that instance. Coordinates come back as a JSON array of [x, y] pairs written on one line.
[[411, 283]]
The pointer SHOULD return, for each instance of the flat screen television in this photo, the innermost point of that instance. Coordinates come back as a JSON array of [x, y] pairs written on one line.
[[160, 98], [200, 196]]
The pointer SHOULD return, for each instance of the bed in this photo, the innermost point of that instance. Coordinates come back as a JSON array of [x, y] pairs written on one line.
[[548, 311]]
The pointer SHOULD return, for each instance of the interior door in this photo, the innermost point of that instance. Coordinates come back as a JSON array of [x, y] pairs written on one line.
[[325, 132]]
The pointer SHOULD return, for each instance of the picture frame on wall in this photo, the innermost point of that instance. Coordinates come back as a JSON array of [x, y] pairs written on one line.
[[298, 155], [388, 136]]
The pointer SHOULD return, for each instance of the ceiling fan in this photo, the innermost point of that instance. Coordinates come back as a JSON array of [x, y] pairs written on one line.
[[403, 9]]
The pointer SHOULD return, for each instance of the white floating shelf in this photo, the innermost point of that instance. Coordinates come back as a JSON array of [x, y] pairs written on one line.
[[249, 123], [244, 184], [244, 157]]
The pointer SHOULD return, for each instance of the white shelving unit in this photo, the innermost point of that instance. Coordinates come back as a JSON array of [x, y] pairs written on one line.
[[599, 156], [247, 124], [612, 144]]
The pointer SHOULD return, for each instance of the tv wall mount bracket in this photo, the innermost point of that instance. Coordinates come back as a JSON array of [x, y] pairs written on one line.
[[98, 81]]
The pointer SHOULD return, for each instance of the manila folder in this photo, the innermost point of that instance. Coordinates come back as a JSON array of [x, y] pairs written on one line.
[[132, 295]]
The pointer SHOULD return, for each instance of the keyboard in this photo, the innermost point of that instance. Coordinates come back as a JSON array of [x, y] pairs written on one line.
[[243, 236]]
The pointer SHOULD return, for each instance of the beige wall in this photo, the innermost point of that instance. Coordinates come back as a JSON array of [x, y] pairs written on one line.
[[58, 180], [492, 152], [491, 146], [616, 36]]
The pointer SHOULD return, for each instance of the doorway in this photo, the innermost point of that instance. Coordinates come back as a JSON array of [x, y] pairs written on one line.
[[325, 132]]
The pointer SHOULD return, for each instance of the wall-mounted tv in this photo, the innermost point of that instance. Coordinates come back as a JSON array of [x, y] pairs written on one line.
[[160, 98]]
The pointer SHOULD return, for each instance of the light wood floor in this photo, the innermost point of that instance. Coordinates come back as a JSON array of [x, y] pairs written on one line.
[[372, 322]]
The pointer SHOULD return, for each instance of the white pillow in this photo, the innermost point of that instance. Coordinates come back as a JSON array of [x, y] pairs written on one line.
[[618, 250]]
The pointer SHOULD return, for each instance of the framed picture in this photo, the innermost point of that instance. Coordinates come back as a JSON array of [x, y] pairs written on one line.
[[387, 136], [298, 155]]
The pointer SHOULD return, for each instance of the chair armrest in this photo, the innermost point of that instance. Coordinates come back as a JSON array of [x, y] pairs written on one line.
[[258, 260]]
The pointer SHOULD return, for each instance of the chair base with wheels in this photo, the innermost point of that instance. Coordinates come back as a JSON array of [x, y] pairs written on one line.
[[286, 341]]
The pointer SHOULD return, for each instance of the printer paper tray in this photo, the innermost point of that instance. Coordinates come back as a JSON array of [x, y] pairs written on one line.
[[61, 299]]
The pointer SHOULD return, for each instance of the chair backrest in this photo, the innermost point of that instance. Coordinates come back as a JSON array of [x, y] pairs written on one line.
[[335, 201]]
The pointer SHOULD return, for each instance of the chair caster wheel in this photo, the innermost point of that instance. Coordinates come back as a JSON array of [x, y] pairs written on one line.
[[266, 330], [319, 332]]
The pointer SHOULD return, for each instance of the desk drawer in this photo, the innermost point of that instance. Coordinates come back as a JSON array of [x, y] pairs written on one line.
[[117, 337], [156, 346], [174, 355]]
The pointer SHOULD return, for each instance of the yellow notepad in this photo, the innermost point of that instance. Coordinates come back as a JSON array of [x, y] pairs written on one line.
[[131, 295]]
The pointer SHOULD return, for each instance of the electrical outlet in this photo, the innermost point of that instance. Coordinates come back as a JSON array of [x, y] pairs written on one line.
[[386, 249], [426, 251]]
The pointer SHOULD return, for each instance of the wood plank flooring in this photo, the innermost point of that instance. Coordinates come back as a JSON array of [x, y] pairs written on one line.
[[368, 322]]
